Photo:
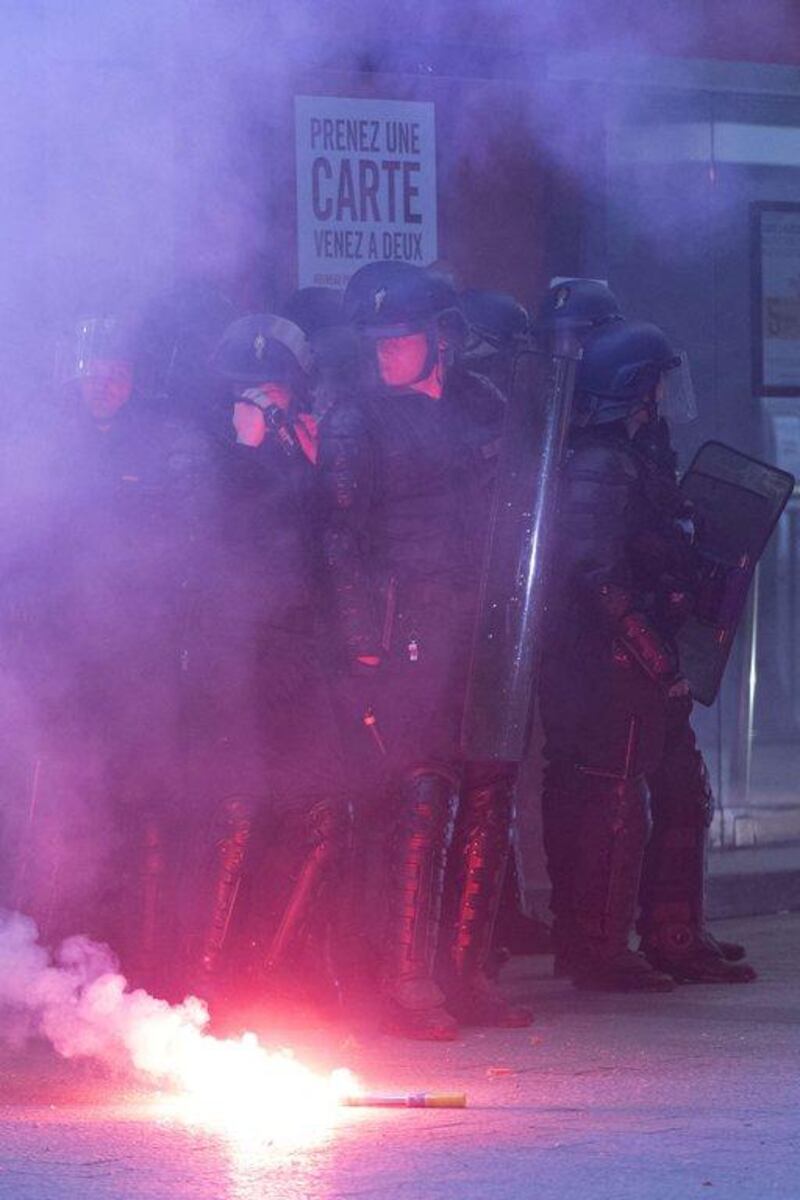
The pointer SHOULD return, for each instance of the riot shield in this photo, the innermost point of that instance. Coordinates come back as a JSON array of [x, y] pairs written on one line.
[[505, 648], [738, 501]]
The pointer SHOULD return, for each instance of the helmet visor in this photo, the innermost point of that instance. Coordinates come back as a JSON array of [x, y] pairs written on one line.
[[92, 341], [678, 403]]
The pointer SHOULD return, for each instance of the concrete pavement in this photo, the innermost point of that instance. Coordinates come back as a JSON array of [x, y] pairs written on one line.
[[694, 1094]]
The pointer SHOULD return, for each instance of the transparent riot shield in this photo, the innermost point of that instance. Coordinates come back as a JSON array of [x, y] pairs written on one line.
[[507, 634]]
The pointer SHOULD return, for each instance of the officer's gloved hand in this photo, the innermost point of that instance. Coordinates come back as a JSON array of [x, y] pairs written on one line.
[[249, 423]]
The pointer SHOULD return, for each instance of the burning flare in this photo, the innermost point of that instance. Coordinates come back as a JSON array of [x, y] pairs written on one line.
[[78, 1000]]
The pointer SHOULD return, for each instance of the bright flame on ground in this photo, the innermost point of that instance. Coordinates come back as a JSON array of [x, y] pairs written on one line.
[[79, 1001], [239, 1088]]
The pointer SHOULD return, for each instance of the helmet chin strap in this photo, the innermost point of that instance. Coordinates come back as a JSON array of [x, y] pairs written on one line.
[[434, 355], [431, 359]]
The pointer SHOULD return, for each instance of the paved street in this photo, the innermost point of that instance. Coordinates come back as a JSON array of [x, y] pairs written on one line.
[[694, 1094]]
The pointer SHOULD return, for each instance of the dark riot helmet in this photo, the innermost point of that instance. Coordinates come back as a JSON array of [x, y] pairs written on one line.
[[263, 348], [494, 319], [621, 365], [580, 304], [394, 299], [334, 344], [314, 310]]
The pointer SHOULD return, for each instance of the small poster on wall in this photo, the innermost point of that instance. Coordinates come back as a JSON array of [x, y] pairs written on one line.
[[366, 185], [776, 307]]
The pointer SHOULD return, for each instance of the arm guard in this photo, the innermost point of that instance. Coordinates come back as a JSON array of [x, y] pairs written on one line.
[[346, 478], [598, 496]]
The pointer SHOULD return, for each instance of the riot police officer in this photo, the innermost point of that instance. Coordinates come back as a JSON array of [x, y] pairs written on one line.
[[264, 763], [116, 490], [620, 752], [497, 327], [402, 469], [585, 305], [579, 305]]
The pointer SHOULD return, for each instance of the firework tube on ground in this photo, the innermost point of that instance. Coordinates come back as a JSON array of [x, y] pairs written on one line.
[[412, 1100]]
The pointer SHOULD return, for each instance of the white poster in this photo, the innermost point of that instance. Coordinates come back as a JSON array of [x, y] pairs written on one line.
[[366, 185], [780, 298]]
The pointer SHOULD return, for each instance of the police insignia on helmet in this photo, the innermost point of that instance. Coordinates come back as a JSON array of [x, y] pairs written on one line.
[[562, 296], [260, 345], [380, 296]]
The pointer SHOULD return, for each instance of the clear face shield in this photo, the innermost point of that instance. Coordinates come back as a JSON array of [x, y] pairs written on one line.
[[677, 402], [95, 363], [93, 340]]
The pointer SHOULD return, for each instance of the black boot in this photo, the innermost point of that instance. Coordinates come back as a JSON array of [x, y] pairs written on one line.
[[608, 862], [731, 951], [676, 944], [230, 848], [324, 836], [414, 1005], [674, 937], [478, 860]]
